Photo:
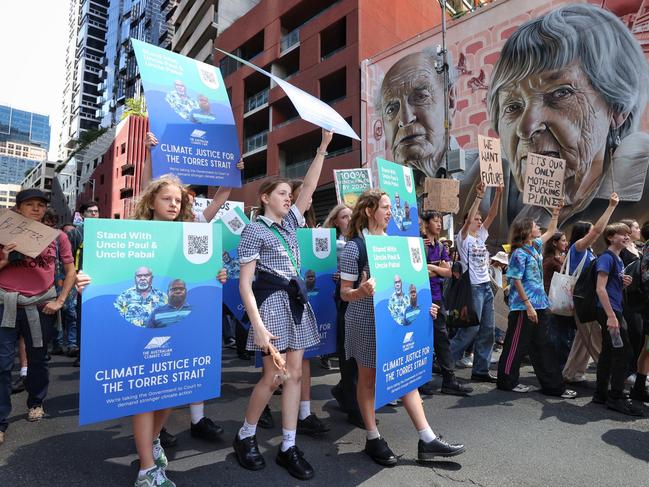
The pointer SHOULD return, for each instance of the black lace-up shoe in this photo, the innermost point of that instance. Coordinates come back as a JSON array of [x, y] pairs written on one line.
[[437, 448], [293, 461], [247, 453], [380, 452]]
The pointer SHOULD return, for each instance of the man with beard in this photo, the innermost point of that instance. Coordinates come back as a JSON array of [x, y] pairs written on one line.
[[562, 88], [136, 303], [175, 310]]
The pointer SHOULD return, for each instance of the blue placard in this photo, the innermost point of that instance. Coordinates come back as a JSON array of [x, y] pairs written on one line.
[[151, 317], [399, 183], [404, 327], [190, 115]]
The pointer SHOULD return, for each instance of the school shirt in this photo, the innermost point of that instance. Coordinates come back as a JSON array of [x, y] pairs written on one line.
[[612, 265]]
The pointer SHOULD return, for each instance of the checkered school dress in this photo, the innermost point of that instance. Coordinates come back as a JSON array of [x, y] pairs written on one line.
[[360, 337], [259, 243]]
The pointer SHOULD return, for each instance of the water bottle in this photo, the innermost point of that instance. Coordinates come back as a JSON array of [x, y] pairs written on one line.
[[616, 338]]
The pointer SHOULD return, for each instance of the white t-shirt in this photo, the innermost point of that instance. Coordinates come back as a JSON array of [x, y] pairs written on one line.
[[474, 251]]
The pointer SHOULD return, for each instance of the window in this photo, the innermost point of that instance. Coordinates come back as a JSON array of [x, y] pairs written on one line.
[[123, 148], [101, 179]]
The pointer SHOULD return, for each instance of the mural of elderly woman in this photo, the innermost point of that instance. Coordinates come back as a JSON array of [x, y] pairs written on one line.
[[573, 84]]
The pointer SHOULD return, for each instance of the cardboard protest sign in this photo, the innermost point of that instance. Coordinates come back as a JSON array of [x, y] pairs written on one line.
[[404, 327], [350, 184], [491, 167], [308, 106], [442, 195], [544, 177], [190, 114], [31, 237], [399, 183], [233, 221], [151, 317]]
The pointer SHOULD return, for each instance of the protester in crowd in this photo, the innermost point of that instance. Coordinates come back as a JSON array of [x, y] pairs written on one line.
[[561, 329], [527, 330], [345, 391], [162, 199], [629, 254], [613, 359], [307, 422], [89, 209], [639, 391], [200, 425], [438, 260], [587, 342], [471, 243], [281, 318], [370, 217], [28, 305]]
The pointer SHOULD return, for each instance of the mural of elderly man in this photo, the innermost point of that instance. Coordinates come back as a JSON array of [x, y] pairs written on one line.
[[573, 84], [136, 303]]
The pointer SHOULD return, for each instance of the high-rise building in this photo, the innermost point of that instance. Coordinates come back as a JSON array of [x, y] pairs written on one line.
[[24, 141], [8, 194], [85, 51], [197, 23], [317, 45], [127, 19]]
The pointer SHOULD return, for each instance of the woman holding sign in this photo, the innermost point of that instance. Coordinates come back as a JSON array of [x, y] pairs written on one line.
[[370, 217], [281, 317]]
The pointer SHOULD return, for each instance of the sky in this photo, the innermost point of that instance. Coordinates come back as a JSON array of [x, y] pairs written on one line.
[[32, 55]]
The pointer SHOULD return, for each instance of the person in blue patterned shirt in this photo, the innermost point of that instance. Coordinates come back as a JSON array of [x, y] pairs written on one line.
[[182, 104], [527, 330], [137, 302]]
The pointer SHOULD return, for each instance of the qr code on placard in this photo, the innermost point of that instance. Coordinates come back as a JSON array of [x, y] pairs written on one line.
[[197, 244], [415, 255], [321, 244], [235, 224]]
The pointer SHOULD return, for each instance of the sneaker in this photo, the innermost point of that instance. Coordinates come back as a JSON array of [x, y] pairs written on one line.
[[159, 456], [642, 395], [155, 477], [465, 363], [231, 343], [35, 414], [455, 388], [521, 389], [18, 385], [380, 452], [266, 420], [488, 377], [167, 440], [312, 426], [73, 351], [568, 394], [293, 461], [438, 447], [630, 380], [206, 429], [624, 406], [325, 363]]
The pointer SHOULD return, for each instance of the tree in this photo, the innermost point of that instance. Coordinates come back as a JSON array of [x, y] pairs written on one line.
[[134, 106]]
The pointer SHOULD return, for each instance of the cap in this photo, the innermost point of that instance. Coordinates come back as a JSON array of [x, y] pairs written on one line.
[[501, 257], [31, 194]]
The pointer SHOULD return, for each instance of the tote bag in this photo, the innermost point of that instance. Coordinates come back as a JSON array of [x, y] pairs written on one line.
[[562, 287]]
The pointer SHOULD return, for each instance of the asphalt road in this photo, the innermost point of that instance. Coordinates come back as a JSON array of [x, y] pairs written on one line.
[[511, 439]]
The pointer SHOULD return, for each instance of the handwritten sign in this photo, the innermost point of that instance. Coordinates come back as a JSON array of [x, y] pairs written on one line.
[[491, 167], [31, 237], [543, 181], [443, 195]]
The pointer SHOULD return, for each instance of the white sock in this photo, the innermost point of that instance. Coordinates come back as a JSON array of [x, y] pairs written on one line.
[[305, 409], [247, 430], [426, 435], [142, 473], [197, 412], [373, 434], [288, 439], [23, 372]]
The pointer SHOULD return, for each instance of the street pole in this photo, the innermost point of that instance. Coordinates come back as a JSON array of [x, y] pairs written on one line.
[[444, 70]]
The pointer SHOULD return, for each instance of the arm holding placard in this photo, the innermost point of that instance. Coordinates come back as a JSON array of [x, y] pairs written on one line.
[[4, 254], [473, 211], [493, 209], [220, 197], [313, 174], [552, 227]]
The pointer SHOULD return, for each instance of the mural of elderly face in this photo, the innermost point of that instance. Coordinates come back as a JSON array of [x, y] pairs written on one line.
[[412, 110], [568, 85]]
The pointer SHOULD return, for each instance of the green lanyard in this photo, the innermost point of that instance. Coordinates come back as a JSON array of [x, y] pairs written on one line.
[[285, 244]]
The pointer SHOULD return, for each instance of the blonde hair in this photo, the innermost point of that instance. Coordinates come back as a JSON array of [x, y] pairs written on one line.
[[359, 220], [330, 221], [145, 201]]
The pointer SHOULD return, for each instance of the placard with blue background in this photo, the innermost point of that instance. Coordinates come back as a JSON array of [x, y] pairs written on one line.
[[151, 317], [190, 115], [399, 183]]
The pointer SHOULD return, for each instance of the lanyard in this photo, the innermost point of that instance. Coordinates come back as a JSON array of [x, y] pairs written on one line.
[[286, 247]]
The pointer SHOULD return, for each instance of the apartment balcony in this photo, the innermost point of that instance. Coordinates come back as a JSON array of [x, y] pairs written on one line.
[[255, 101], [255, 143], [128, 169], [126, 191], [296, 170], [289, 41]]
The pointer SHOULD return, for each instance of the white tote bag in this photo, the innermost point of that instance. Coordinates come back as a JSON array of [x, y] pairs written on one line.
[[561, 288]]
